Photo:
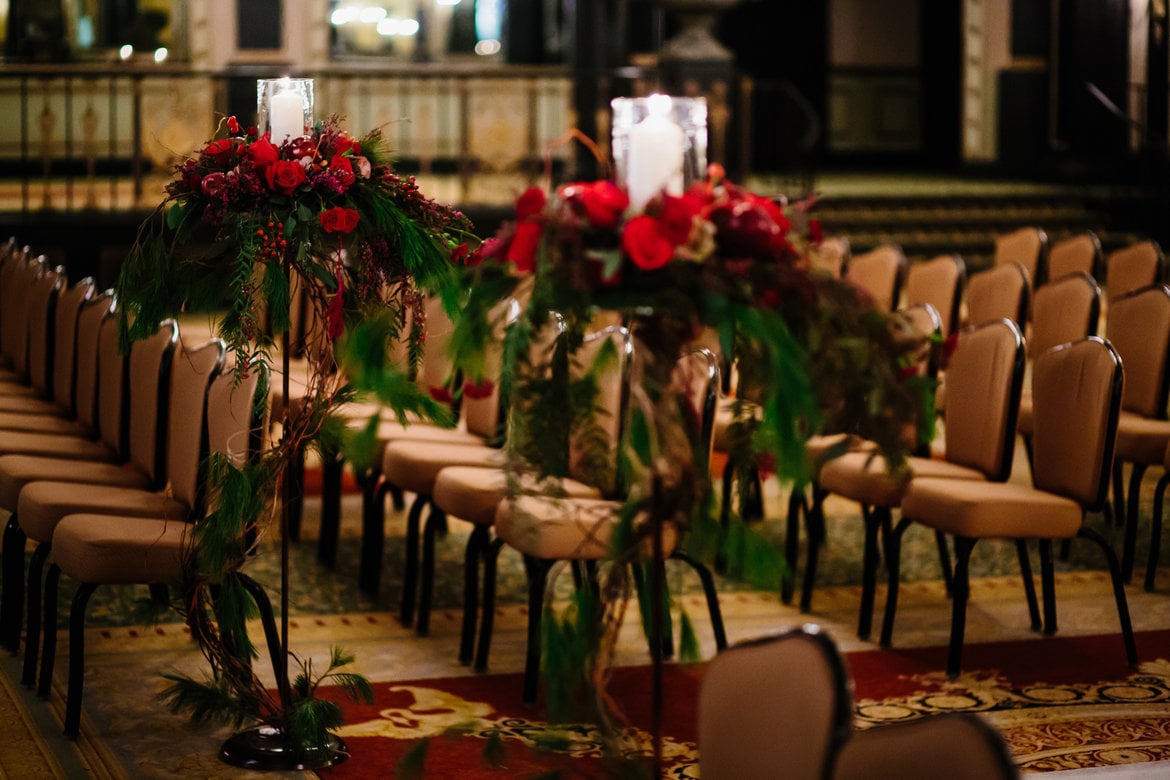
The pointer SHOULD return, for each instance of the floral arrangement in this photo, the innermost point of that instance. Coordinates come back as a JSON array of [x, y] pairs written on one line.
[[718, 266], [245, 226]]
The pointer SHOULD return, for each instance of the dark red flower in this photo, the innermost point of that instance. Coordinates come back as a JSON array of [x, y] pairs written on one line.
[[522, 249], [601, 203], [441, 394], [262, 153], [339, 220], [644, 243], [460, 253], [342, 170], [531, 203], [477, 391], [346, 143], [300, 148], [220, 151], [678, 217], [745, 229], [233, 125], [213, 184], [284, 176]]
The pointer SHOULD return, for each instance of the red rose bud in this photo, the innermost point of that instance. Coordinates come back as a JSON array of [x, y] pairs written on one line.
[[339, 220], [644, 244], [284, 176], [441, 394], [531, 203], [233, 125], [477, 391]]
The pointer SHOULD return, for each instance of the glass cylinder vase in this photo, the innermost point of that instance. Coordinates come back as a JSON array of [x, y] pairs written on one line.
[[284, 108], [659, 144]]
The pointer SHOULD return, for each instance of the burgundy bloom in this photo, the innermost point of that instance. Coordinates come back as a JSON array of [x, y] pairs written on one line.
[[339, 220], [284, 176], [213, 184], [644, 243], [342, 170], [522, 249], [531, 203], [262, 153]]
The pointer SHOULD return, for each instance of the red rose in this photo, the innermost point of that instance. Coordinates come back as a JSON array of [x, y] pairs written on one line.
[[460, 253], [346, 143], [531, 203], [342, 170], [602, 203], [262, 153], [773, 210], [643, 241], [522, 250], [477, 391], [233, 125], [221, 150], [339, 220], [678, 217], [284, 176], [213, 184]]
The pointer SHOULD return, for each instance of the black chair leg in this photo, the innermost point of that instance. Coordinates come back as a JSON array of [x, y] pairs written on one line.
[[796, 504], [1156, 531], [373, 542], [12, 582], [32, 639], [410, 567], [1118, 592], [1048, 586], [488, 610], [1029, 585], [893, 579], [332, 470], [815, 536], [537, 570], [49, 652], [713, 609], [1131, 520], [436, 524], [963, 547], [76, 658], [873, 523], [477, 545], [944, 559]]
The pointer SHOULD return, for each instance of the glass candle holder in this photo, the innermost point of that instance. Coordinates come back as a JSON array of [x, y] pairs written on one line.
[[284, 108], [659, 144]]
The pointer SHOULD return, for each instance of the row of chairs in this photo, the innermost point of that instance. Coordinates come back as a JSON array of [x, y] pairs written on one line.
[[101, 454]]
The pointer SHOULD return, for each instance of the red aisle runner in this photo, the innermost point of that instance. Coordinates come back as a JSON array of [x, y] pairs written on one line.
[[1082, 682]]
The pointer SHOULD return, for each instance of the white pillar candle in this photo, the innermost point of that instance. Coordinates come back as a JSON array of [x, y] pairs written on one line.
[[655, 158], [286, 116]]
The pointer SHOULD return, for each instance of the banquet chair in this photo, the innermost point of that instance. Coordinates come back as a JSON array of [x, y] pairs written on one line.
[[1027, 246], [415, 466], [1138, 327], [547, 530], [129, 446], [984, 379], [35, 394], [473, 493], [59, 416], [777, 706], [1078, 254], [1077, 392], [41, 505], [832, 255], [1001, 292], [940, 282], [15, 286], [1131, 268], [1066, 309], [105, 549], [963, 745], [879, 273]]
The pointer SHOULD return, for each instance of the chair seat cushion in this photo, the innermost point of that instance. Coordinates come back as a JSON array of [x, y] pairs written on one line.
[[29, 404], [865, 478], [42, 505], [54, 446], [558, 528], [414, 465], [16, 471], [472, 493], [120, 550], [1141, 439], [41, 423], [980, 509]]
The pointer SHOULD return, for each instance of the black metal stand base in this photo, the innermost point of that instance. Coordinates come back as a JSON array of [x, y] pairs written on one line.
[[263, 748]]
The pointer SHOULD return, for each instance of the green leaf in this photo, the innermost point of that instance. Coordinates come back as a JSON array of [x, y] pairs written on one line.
[[174, 216]]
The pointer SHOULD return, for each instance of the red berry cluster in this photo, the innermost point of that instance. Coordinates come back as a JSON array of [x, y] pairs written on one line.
[[272, 242]]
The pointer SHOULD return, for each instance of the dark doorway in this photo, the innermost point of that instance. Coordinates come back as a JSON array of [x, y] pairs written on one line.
[[941, 66], [1091, 64]]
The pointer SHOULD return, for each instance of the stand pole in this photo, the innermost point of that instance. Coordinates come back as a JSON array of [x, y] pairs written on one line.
[[657, 619]]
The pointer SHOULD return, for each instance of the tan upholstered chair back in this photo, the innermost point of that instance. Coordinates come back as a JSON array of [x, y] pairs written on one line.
[[999, 293], [65, 336], [42, 305], [832, 256], [1026, 246], [1079, 254], [191, 374], [14, 327], [89, 329], [879, 274], [1076, 397], [1133, 267], [777, 707], [1138, 327], [237, 413], [482, 413], [113, 406], [149, 382], [960, 745], [437, 366], [983, 398], [1066, 309], [939, 282], [923, 322]]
